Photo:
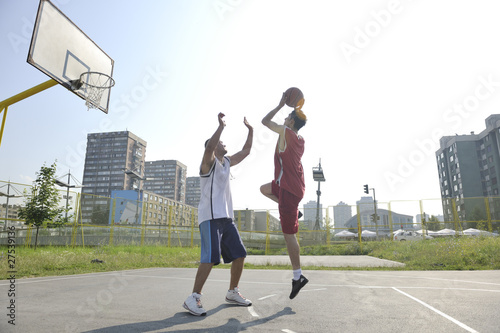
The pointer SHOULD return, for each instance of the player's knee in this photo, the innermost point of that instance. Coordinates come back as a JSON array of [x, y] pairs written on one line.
[[263, 189]]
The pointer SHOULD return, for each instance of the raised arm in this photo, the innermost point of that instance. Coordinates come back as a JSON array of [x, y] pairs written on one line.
[[267, 120], [245, 151], [209, 154]]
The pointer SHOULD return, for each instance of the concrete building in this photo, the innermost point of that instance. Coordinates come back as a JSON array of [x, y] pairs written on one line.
[[9, 212], [469, 173], [383, 225], [365, 204], [342, 212], [251, 220], [150, 209], [310, 212], [113, 161], [193, 191], [166, 178]]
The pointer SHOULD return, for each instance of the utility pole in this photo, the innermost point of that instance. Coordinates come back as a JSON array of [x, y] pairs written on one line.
[[319, 177]]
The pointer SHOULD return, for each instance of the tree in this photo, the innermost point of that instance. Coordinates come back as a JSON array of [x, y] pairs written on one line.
[[42, 204], [433, 224]]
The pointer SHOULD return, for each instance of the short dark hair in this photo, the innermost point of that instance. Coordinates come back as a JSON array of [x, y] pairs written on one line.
[[299, 123]]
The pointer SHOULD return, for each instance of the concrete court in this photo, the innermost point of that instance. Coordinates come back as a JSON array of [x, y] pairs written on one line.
[[149, 300]]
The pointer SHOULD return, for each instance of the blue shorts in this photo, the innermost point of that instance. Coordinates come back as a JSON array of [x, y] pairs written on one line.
[[220, 237]]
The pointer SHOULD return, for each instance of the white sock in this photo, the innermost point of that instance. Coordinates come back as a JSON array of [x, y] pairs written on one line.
[[297, 273]]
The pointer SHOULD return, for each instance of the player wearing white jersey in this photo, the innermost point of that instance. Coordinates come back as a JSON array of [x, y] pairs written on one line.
[[219, 235]]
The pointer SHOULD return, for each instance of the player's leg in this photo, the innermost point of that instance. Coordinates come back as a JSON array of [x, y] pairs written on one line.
[[233, 251], [267, 190], [293, 249], [288, 208], [236, 270], [210, 256], [202, 274]]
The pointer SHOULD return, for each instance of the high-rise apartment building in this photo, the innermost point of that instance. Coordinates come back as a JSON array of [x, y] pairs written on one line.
[[193, 191], [365, 204], [469, 167], [342, 212], [113, 161], [166, 178], [310, 212]]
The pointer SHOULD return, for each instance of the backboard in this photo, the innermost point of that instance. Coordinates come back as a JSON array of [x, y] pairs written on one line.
[[64, 52]]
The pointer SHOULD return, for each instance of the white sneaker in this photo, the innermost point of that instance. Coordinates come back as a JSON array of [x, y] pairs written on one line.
[[234, 296], [193, 305]]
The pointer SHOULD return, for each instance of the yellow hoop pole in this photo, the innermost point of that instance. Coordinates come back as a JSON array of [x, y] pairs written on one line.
[[19, 97], [3, 123]]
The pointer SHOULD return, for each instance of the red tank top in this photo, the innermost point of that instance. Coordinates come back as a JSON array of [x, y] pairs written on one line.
[[288, 170]]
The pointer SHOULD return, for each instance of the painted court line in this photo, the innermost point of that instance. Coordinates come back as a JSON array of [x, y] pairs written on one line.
[[306, 290], [80, 276], [438, 312], [268, 296], [428, 278], [131, 274], [252, 311]]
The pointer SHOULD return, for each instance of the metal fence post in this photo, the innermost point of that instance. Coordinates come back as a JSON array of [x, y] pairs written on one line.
[[192, 227], [359, 223], [169, 224], [488, 214], [112, 228], [327, 227], [391, 228], [267, 233]]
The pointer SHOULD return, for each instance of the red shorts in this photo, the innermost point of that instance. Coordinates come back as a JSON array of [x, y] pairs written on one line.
[[288, 205]]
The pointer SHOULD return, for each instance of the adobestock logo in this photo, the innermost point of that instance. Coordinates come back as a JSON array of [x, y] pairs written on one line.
[[21, 41], [453, 117], [221, 7], [96, 304], [363, 36]]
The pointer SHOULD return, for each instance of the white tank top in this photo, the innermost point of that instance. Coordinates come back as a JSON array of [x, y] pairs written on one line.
[[215, 199]]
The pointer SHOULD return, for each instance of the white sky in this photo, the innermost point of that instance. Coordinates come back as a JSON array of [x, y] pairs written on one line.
[[383, 81]]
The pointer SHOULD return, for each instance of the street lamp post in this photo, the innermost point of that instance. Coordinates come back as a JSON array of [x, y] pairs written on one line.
[[319, 177]]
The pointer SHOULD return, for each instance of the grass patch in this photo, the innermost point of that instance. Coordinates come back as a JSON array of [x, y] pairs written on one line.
[[58, 260], [463, 253], [455, 253]]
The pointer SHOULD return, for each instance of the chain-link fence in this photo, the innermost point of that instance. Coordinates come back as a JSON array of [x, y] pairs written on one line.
[[134, 218]]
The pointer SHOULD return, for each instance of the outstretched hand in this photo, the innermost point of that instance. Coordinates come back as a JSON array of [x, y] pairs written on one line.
[[247, 124], [221, 121]]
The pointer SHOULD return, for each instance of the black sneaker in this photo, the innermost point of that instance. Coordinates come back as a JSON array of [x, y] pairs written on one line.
[[300, 215], [297, 285]]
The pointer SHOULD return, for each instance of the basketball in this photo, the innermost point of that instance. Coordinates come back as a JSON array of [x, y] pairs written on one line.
[[294, 97]]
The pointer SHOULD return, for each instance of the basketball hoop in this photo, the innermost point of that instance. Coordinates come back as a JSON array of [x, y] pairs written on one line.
[[94, 84]]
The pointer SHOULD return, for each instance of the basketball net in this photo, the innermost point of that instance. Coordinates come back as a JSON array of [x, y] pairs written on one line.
[[94, 84]]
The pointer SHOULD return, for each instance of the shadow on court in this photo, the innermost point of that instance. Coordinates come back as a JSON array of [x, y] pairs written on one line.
[[183, 318]]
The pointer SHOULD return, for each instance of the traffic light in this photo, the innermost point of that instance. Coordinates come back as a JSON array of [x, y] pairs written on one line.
[[366, 188]]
